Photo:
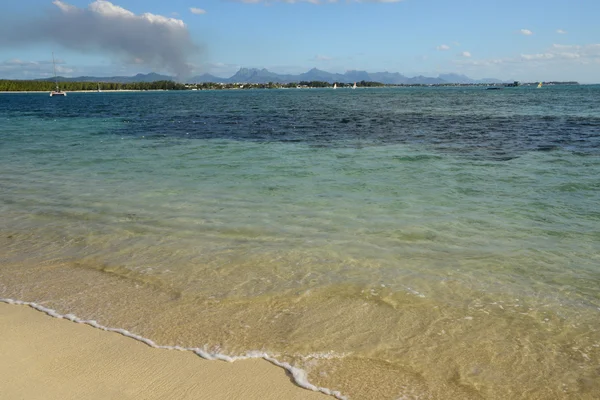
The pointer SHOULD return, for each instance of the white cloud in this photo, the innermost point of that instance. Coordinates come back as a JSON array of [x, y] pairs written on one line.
[[443, 47], [539, 56], [106, 8], [161, 42], [562, 32], [525, 32], [197, 11], [64, 6], [465, 54]]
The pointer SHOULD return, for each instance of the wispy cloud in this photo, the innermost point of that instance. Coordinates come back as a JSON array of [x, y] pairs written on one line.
[[443, 47], [465, 54], [538, 56], [580, 54], [64, 6], [565, 51], [525, 32], [320, 57], [153, 40], [197, 11], [315, 1], [561, 52], [18, 68], [562, 32], [21, 63]]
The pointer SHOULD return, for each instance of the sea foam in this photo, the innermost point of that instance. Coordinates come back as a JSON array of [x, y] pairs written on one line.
[[300, 376]]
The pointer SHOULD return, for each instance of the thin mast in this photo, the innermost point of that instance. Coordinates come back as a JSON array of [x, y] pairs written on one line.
[[55, 78]]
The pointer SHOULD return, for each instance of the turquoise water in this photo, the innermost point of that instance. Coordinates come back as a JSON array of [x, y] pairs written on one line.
[[424, 242]]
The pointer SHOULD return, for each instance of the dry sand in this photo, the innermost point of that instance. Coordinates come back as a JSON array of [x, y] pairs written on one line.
[[42, 357]]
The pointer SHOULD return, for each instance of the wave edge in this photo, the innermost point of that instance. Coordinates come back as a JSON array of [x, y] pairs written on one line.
[[299, 375]]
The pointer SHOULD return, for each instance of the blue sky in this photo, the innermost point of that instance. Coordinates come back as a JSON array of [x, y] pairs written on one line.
[[527, 40]]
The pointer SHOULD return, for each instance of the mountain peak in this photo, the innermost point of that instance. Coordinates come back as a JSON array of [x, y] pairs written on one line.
[[256, 75]]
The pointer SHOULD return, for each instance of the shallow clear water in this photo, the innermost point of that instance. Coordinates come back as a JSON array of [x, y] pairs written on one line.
[[394, 243]]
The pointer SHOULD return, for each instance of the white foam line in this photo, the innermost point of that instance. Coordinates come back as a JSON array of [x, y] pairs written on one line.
[[299, 375]]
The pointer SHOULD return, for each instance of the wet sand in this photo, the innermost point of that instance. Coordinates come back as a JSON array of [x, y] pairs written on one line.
[[50, 358]]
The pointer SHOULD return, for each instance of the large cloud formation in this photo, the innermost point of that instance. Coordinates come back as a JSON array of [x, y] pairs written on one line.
[[145, 39]]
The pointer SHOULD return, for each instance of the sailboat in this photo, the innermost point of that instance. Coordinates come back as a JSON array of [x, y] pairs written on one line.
[[335, 85], [354, 87], [56, 92], [539, 85]]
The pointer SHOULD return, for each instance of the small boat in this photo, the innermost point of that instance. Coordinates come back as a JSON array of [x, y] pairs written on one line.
[[354, 86], [493, 88], [56, 92], [335, 85], [539, 85]]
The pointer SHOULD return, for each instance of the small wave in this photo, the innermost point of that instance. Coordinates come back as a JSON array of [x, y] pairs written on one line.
[[299, 375]]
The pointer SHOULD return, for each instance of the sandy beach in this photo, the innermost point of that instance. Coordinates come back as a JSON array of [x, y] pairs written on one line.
[[51, 358]]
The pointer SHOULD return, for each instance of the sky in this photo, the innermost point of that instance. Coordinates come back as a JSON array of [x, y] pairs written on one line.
[[525, 40]]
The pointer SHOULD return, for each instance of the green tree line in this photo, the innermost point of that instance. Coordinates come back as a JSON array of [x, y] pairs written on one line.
[[45, 86]]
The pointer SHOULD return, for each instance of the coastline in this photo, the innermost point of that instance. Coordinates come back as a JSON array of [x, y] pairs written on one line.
[[54, 358], [85, 91]]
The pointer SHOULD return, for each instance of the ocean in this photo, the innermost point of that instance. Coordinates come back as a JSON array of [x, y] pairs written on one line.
[[389, 243]]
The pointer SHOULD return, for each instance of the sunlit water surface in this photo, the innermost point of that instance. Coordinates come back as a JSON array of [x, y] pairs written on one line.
[[414, 243]]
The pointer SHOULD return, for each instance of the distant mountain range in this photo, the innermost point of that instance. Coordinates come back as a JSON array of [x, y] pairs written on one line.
[[151, 77], [256, 75]]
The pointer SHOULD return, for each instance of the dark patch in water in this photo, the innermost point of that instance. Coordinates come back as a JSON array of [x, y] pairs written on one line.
[[460, 122]]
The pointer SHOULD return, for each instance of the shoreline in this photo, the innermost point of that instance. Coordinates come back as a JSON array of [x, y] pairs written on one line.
[[89, 91], [257, 86], [68, 358]]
